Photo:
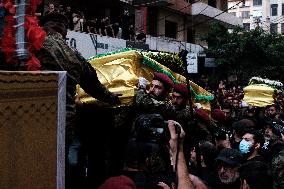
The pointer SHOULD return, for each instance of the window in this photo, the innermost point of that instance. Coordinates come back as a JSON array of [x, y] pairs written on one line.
[[257, 2], [282, 9], [273, 28], [246, 26], [171, 29], [274, 9], [190, 35], [245, 14], [212, 3], [282, 28]]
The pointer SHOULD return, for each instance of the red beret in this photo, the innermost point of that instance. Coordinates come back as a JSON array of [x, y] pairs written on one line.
[[218, 115], [181, 88], [118, 182], [163, 78], [202, 115]]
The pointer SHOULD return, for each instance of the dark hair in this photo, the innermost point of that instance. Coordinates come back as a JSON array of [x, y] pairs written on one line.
[[52, 27], [209, 152], [226, 105], [241, 127], [276, 106], [256, 174], [257, 136]]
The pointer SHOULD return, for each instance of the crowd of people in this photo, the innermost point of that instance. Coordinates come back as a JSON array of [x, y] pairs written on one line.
[[234, 146], [101, 25], [161, 140]]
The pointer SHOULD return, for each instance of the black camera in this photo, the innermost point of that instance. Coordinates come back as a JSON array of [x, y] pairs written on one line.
[[152, 128]]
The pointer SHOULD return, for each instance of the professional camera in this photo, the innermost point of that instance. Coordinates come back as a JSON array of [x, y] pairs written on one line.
[[152, 128], [147, 151]]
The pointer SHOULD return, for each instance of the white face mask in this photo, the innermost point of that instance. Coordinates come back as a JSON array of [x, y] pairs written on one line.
[[245, 146]]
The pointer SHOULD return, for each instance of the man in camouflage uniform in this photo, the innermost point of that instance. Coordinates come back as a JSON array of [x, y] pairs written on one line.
[[179, 100], [56, 55], [277, 167], [156, 98], [275, 151]]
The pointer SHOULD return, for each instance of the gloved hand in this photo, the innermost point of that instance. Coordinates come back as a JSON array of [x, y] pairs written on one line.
[[142, 82]]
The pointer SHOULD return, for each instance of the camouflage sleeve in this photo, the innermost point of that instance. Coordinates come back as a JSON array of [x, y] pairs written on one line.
[[277, 167], [147, 104], [143, 100]]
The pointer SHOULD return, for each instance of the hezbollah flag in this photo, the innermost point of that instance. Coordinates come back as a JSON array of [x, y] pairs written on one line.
[[261, 92], [119, 72], [259, 95]]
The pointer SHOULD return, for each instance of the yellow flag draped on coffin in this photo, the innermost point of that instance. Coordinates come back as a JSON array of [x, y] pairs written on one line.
[[259, 95], [261, 91], [119, 72]]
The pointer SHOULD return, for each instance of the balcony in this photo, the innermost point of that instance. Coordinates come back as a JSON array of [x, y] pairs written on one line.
[[203, 12], [152, 3]]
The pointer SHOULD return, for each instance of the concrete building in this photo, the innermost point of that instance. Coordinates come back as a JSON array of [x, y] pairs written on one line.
[[267, 14], [183, 20]]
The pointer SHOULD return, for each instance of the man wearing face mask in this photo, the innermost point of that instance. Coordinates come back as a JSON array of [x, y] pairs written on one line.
[[250, 146]]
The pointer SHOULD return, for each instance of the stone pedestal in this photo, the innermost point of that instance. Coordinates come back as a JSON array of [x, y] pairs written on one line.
[[32, 130]]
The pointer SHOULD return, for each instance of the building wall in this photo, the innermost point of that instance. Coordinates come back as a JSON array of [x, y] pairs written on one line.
[[163, 15], [259, 15]]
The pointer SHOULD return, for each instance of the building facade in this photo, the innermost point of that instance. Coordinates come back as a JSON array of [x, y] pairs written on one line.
[[182, 20], [267, 14]]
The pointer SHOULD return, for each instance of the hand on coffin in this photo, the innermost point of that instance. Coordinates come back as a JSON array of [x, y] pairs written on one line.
[[142, 83]]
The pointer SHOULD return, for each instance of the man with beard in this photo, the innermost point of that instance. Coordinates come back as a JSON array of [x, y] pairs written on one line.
[[272, 111], [273, 130], [145, 151], [156, 98], [251, 144], [179, 101], [227, 163]]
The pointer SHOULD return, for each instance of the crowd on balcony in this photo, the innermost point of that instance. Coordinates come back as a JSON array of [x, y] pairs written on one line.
[[101, 25]]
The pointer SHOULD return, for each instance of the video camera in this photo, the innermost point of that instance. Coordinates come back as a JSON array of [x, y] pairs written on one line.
[[147, 150], [152, 128]]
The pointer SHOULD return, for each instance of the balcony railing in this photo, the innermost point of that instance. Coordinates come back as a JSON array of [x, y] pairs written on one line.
[[152, 2], [202, 9]]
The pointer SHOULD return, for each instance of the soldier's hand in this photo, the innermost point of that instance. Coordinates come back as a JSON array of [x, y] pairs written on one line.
[[114, 100], [142, 82]]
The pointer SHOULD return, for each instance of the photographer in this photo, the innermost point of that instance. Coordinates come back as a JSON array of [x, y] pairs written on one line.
[[146, 162]]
